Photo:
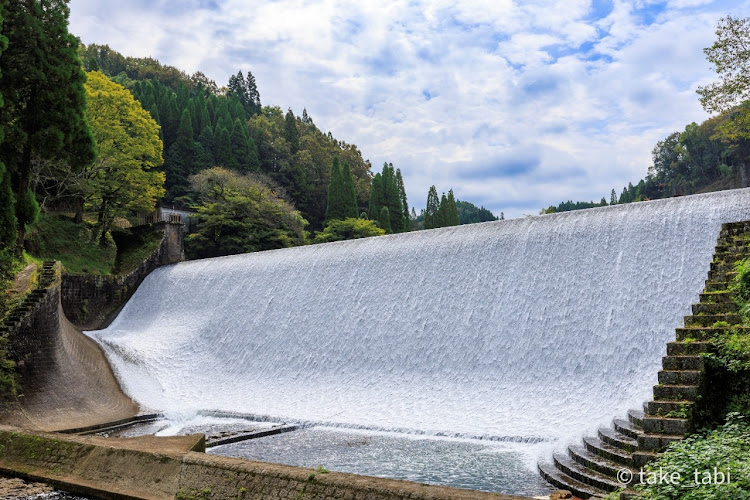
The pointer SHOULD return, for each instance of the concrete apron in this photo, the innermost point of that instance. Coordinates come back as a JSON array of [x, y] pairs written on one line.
[[150, 467]]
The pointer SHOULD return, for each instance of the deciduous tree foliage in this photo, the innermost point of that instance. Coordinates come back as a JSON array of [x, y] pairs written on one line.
[[348, 229], [124, 177], [241, 213], [42, 85]]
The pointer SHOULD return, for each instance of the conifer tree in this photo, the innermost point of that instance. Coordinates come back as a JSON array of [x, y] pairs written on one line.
[[222, 147], [44, 100], [290, 131], [7, 200], [241, 155], [181, 158], [335, 191], [385, 220], [402, 196], [205, 157], [442, 213], [451, 211], [349, 194], [431, 212], [376, 196]]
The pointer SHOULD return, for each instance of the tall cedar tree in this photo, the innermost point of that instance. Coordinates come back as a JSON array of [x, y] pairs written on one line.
[[431, 212], [45, 102], [180, 159], [442, 216], [7, 200], [402, 196], [385, 219], [451, 211], [342, 199], [386, 192], [376, 197], [246, 92], [290, 131]]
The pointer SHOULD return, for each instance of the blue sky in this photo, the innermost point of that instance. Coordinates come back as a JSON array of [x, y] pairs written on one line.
[[516, 105]]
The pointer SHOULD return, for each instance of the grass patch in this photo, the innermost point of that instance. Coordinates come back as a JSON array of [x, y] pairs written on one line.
[[77, 246]]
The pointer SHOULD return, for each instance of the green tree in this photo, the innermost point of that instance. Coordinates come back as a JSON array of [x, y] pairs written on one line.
[[348, 229], [180, 159], [402, 197], [246, 91], [222, 147], [431, 212], [729, 56], [385, 220], [45, 101], [7, 200], [240, 213], [123, 178], [291, 133], [451, 212], [342, 200]]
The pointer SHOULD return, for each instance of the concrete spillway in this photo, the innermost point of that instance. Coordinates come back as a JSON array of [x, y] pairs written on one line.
[[531, 329]]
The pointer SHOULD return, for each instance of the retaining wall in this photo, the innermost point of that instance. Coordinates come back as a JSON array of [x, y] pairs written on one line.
[[141, 468], [91, 301]]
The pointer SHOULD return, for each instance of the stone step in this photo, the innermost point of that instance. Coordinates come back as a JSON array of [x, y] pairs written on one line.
[[680, 377], [676, 392], [666, 425], [595, 462], [716, 286], [703, 333], [635, 417], [626, 428], [683, 362], [618, 440], [657, 442], [604, 450], [687, 348], [667, 408], [710, 319], [583, 474], [720, 297], [721, 275], [641, 458], [716, 308], [561, 480]]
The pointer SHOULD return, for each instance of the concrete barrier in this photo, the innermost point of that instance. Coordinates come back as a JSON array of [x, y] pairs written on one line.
[[167, 468]]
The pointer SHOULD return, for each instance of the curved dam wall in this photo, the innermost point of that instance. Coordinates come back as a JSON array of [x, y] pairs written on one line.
[[65, 380], [529, 329]]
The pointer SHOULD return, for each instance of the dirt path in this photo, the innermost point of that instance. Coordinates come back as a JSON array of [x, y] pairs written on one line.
[[23, 279]]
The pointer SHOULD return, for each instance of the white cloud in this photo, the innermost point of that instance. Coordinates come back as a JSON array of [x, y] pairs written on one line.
[[460, 95]]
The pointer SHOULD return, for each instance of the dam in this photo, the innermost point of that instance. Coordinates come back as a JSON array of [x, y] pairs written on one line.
[[528, 332]]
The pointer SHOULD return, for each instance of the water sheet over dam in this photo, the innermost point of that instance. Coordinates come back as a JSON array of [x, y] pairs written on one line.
[[529, 329]]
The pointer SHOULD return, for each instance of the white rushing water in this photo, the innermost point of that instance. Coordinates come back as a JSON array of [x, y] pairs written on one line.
[[534, 328]]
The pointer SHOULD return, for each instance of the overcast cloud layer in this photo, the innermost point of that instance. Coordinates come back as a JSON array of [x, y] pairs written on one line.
[[516, 105]]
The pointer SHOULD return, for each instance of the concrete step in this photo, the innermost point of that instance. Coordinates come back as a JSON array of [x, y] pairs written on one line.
[[618, 440], [716, 308], [680, 377], [595, 462], [641, 458], [696, 362], [583, 474], [604, 450], [666, 408], [710, 319], [676, 392], [687, 348], [657, 442], [635, 417], [561, 480], [666, 425]]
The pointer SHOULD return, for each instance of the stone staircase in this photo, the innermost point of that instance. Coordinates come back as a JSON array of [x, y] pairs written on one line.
[[613, 458], [47, 276]]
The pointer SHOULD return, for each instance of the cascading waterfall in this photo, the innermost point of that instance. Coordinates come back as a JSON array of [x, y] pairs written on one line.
[[538, 328]]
